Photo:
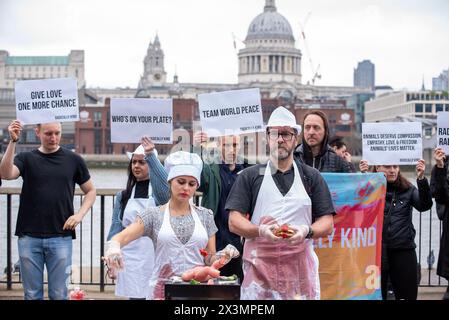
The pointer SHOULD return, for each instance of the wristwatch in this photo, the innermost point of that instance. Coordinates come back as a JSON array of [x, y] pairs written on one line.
[[310, 234]]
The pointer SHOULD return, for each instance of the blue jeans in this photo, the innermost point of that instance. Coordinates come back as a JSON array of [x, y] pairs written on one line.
[[56, 254]]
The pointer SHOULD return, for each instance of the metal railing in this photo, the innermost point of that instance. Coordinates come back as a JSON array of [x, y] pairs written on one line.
[[93, 272], [90, 273]]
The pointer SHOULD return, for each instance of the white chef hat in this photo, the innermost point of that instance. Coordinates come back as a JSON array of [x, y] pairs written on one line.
[[281, 117], [139, 150], [182, 163]]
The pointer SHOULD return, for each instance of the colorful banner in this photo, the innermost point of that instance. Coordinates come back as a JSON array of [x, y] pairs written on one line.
[[350, 257]]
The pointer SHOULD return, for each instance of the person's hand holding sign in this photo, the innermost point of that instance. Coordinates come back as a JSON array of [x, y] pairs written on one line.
[[148, 145], [439, 156], [420, 168], [199, 138], [15, 129], [363, 166]]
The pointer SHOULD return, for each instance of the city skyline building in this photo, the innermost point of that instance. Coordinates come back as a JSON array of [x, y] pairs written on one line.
[[442, 81], [14, 68], [365, 75]]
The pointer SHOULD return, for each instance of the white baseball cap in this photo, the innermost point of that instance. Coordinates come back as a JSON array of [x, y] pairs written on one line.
[[281, 117], [182, 163]]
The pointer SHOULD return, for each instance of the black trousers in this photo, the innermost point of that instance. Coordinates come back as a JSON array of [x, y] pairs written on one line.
[[401, 268], [233, 267]]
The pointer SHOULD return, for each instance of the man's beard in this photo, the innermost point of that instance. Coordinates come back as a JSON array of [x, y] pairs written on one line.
[[281, 153]]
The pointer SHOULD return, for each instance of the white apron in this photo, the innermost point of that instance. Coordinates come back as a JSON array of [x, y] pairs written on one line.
[[138, 255], [278, 270], [172, 257]]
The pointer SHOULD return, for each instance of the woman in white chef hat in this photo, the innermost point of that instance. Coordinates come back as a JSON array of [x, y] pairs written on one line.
[[179, 230]]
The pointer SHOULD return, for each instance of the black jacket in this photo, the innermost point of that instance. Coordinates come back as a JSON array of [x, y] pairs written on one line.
[[326, 161], [398, 231], [439, 184]]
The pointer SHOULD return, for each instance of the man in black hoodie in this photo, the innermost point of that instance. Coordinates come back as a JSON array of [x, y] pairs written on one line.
[[314, 150]]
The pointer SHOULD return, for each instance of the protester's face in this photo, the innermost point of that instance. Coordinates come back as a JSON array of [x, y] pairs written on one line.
[[183, 187], [49, 135], [340, 152], [282, 142], [139, 167], [230, 146], [314, 130], [391, 172]]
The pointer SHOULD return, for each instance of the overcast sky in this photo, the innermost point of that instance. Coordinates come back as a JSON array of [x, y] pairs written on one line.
[[405, 39]]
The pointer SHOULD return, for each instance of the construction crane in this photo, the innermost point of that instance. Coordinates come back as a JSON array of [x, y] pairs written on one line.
[[315, 71], [234, 38]]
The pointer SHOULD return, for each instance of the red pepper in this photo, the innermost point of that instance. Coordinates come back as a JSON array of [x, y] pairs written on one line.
[[204, 252]]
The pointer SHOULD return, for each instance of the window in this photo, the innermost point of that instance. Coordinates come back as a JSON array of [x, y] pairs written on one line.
[[342, 128], [428, 132], [109, 146], [447, 107], [30, 136], [418, 107], [439, 107], [97, 119], [97, 141], [428, 108]]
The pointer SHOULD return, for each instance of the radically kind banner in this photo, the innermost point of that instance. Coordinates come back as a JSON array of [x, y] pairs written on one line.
[[350, 257]]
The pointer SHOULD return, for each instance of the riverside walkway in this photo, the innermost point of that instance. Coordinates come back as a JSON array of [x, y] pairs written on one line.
[[93, 292]]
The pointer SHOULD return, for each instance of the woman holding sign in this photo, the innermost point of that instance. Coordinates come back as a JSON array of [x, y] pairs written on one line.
[[146, 187], [399, 262], [439, 184]]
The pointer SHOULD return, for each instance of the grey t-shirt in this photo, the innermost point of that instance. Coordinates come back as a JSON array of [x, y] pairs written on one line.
[[243, 195], [183, 226]]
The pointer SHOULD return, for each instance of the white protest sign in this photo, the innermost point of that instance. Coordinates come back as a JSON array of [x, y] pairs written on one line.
[[392, 143], [443, 131], [48, 100], [231, 112], [131, 119]]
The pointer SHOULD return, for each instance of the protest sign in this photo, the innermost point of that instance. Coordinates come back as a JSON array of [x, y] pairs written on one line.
[[48, 100], [131, 119], [350, 257], [443, 131], [392, 143], [231, 112]]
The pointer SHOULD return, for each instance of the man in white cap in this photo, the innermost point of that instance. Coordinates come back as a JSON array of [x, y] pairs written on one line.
[[279, 263]]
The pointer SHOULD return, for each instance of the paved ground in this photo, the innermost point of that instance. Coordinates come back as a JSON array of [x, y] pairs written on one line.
[[93, 292]]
